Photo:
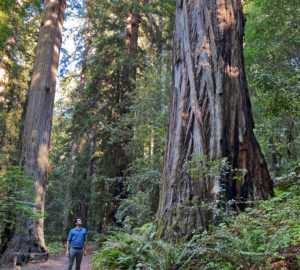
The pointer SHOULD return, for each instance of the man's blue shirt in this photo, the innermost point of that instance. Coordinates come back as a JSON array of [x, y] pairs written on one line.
[[77, 238]]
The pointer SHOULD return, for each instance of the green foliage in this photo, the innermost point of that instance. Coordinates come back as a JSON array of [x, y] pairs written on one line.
[[140, 251], [254, 236], [134, 211], [55, 248], [208, 168], [17, 59], [251, 238], [272, 65], [148, 118], [11, 12], [131, 134], [16, 197], [217, 169]]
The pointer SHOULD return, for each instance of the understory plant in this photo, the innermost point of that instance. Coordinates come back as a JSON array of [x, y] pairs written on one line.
[[16, 196], [55, 248], [243, 241]]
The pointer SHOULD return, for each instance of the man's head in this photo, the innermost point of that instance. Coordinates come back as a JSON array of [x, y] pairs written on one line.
[[78, 221]]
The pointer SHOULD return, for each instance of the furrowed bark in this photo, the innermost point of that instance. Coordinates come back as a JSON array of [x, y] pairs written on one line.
[[37, 129], [210, 114]]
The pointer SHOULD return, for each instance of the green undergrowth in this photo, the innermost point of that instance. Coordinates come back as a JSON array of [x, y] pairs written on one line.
[[249, 239], [55, 248]]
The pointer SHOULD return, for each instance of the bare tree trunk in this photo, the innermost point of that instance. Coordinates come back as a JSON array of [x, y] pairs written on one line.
[[210, 114], [37, 128]]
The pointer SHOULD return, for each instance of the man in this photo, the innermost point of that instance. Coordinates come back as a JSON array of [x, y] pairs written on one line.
[[76, 243]]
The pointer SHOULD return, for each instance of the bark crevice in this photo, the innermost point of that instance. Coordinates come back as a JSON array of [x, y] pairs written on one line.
[[210, 114]]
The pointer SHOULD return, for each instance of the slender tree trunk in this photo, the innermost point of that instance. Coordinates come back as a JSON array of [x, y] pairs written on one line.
[[7, 54], [119, 160], [210, 114], [84, 207], [124, 87], [4, 67], [68, 193], [90, 170], [37, 128], [129, 71]]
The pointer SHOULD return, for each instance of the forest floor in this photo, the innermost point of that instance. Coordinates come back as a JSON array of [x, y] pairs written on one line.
[[59, 262]]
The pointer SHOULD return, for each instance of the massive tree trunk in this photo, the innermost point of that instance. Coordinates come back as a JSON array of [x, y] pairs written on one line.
[[37, 128], [210, 114]]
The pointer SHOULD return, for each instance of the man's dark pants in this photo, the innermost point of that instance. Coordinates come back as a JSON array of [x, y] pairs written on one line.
[[75, 253]]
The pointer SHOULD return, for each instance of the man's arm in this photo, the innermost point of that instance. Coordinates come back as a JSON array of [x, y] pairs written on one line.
[[84, 248], [68, 248], [69, 239]]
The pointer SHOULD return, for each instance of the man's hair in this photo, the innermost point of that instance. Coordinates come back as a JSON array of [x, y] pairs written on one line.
[[75, 220]]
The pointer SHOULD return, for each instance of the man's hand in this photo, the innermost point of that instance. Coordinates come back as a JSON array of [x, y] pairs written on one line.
[[84, 252], [67, 254]]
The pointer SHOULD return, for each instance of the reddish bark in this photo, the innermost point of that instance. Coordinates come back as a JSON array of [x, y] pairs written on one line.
[[37, 128], [210, 114]]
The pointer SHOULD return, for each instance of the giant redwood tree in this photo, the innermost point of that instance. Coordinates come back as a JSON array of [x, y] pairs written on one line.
[[37, 129], [210, 114]]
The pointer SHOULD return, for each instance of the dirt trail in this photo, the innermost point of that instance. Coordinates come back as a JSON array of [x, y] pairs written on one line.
[[60, 262]]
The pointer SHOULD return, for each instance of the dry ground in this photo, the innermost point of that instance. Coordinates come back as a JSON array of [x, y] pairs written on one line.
[[60, 262]]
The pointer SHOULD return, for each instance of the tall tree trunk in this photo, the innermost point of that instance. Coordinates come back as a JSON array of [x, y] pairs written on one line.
[[210, 114], [84, 208], [68, 193], [4, 66], [92, 134], [124, 88], [37, 128], [7, 54], [129, 71], [119, 160]]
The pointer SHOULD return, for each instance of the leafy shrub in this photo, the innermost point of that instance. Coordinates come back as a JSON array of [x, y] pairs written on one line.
[[241, 242], [140, 251], [254, 236]]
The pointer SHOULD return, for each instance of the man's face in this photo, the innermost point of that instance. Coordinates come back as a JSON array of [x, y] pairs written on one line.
[[79, 222]]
